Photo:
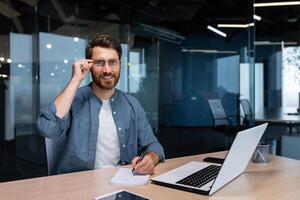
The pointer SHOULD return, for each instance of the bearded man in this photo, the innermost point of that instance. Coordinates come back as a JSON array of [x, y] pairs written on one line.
[[104, 127]]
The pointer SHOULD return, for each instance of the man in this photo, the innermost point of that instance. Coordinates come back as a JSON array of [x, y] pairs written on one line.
[[104, 126]]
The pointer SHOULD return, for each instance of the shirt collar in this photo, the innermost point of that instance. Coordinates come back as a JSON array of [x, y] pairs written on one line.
[[114, 97]]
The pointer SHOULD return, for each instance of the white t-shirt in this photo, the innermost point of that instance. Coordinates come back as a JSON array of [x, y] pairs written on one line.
[[108, 149]]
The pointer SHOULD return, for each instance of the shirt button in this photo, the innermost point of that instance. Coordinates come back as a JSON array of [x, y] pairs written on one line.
[[114, 112], [124, 145], [119, 128]]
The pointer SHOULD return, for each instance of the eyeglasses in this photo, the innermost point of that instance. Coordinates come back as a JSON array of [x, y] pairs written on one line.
[[113, 63]]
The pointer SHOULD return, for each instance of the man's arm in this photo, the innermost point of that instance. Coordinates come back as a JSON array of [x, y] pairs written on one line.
[[145, 136], [64, 100], [53, 119]]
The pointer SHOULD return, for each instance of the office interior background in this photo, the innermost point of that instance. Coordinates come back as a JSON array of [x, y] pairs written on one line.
[[174, 62]]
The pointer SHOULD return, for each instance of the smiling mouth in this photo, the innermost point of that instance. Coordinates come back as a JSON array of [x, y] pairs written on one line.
[[107, 78]]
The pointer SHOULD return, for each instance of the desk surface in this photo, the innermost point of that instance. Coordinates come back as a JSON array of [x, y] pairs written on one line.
[[280, 179], [278, 115]]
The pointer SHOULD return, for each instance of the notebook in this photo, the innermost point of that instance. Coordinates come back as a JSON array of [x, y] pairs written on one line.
[[206, 178], [124, 176]]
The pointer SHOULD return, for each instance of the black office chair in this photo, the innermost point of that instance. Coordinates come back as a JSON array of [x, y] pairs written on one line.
[[221, 122], [248, 120]]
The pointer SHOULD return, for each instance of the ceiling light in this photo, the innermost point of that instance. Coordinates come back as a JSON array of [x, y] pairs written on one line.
[[8, 60], [76, 39], [269, 4], [48, 46], [260, 43], [256, 17], [3, 75], [216, 31], [235, 25], [66, 61], [2, 59], [208, 51], [292, 20]]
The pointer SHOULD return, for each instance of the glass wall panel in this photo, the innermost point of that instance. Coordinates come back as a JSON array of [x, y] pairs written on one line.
[[277, 40], [277, 51], [20, 86], [57, 54]]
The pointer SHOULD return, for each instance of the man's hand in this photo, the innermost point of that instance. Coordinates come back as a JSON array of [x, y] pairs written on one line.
[[80, 69], [147, 165]]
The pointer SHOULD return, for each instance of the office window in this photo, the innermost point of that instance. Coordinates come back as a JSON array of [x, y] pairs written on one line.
[[290, 76], [137, 71]]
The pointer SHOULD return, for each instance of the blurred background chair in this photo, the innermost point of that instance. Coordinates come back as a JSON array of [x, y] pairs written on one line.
[[221, 122], [54, 148], [248, 120]]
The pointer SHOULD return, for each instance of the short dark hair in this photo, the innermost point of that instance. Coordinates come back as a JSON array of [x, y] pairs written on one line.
[[104, 41]]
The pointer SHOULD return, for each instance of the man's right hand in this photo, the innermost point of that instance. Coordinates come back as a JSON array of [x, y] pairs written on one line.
[[80, 69]]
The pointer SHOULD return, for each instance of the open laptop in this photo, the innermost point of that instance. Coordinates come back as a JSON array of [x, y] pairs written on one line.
[[206, 178]]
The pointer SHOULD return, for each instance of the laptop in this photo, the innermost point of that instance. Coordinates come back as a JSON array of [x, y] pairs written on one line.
[[206, 178]]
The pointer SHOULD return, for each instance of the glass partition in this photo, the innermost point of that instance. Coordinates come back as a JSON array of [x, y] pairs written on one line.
[[277, 52], [57, 53]]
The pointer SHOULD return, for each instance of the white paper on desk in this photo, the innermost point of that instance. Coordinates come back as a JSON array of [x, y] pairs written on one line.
[[124, 176]]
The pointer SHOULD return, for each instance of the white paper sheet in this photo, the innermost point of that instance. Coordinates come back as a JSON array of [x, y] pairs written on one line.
[[124, 176]]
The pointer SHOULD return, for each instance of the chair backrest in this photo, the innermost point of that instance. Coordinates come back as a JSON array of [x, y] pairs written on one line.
[[53, 152], [218, 112], [249, 115], [247, 109]]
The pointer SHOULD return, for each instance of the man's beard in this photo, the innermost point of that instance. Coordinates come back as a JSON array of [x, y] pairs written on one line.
[[106, 84]]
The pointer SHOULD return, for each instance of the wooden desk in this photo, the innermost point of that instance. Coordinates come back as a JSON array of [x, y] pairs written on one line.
[[280, 179], [279, 116]]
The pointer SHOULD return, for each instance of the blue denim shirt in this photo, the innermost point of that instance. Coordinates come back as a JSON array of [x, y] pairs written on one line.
[[81, 127]]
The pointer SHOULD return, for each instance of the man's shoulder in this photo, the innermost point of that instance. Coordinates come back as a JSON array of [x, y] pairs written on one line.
[[125, 96], [82, 92]]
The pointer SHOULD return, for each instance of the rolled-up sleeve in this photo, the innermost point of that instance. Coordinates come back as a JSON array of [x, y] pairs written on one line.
[[50, 125], [146, 136]]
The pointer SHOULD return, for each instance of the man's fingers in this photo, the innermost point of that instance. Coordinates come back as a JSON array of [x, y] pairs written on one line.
[[148, 168], [133, 162], [145, 166], [141, 163]]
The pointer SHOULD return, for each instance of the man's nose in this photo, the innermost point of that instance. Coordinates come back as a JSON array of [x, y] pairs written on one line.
[[106, 67]]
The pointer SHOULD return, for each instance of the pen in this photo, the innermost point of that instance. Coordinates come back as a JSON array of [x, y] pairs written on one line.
[[142, 155]]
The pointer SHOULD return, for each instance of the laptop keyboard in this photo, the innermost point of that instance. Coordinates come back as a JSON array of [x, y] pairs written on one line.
[[201, 177]]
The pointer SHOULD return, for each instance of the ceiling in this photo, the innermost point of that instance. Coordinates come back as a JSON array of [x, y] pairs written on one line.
[[183, 16]]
